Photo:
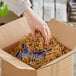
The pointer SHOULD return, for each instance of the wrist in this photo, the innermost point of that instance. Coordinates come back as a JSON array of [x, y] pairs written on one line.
[[27, 12]]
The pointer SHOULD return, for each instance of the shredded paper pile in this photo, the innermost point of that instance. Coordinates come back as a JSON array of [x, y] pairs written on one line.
[[34, 52]]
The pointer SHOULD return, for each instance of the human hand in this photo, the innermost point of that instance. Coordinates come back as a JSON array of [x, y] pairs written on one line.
[[37, 24]]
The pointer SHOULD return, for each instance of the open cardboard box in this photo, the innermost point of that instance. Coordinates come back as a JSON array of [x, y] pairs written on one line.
[[12, 33]]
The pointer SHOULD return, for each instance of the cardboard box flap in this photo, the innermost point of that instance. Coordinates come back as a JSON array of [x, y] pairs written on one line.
[[65, 34], [12, 32], [14, 61]]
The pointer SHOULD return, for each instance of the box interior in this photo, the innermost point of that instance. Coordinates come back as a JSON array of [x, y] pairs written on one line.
[[64, 33]]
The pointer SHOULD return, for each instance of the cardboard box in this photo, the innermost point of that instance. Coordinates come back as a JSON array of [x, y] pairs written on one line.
[[10, 35]]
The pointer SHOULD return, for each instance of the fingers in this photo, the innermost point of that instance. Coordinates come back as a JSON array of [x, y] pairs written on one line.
[[48, 37], [46, 33], [33, 31], [44, 29]]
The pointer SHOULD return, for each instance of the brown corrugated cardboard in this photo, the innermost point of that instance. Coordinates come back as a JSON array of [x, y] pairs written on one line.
[[62, 68], [10, 35]]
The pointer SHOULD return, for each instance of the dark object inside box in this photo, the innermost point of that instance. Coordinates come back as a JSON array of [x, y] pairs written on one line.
[[34, 52]]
